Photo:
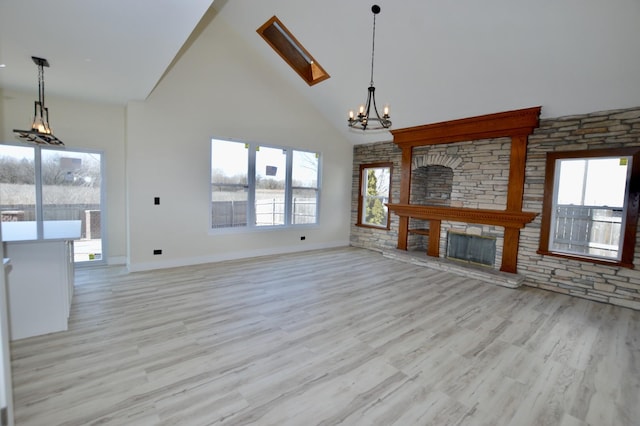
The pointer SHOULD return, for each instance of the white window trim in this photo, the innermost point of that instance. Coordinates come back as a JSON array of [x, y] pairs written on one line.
[[251, 188], [39, 207]]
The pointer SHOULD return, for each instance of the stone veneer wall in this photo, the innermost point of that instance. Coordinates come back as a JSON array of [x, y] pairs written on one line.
[[607, 129], [371, 238], [480, 181]]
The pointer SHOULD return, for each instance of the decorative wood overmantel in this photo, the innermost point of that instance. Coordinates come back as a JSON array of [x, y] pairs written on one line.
[[517, 125]]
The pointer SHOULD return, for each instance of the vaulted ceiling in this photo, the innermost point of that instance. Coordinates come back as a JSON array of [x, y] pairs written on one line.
[[435, 60]]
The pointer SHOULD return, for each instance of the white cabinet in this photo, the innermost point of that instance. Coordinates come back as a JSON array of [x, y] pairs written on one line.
[[40, 286]]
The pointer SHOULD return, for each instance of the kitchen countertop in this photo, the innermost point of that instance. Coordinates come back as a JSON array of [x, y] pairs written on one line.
[[52, 230]]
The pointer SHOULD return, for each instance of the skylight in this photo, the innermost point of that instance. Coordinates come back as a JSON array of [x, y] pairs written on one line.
[[285, 44]]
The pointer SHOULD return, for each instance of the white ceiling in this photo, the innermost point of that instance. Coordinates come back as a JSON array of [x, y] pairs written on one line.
[[435, 60], [105, 50]]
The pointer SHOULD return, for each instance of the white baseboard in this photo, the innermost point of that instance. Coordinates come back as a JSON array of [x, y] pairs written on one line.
[[244, 254], [117, 260]]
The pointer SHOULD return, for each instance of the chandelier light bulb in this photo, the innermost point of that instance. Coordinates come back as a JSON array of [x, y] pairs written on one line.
[[37, 125]]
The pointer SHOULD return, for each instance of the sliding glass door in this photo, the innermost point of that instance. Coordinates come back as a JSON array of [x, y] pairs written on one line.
[[49, 189]]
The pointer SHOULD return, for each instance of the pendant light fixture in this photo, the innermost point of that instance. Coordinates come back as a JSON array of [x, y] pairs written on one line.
[[40, 132], [368, 117]]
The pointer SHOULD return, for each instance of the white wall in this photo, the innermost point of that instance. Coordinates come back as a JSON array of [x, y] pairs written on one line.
[[81, 125], [160, 148], [219, 88]]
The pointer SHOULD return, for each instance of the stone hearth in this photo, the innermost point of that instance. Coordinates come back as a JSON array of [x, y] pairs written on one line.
[[492, 276]]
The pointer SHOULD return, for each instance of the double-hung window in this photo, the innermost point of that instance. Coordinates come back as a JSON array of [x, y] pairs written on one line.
[[255, 185], [591, 205], [375, 187]]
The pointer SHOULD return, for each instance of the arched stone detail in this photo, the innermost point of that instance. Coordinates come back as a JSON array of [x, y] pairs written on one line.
[[435, 160]]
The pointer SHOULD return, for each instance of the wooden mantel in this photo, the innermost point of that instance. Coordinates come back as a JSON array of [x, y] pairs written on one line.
[[459, 214], [517, 125]]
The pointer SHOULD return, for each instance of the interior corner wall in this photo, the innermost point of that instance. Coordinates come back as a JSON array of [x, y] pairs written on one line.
[[2, 125], [221, 88], [81, 125], [598, 130]]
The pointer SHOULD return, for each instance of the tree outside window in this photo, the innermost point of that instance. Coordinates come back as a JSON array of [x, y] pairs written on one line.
[[375, 186]]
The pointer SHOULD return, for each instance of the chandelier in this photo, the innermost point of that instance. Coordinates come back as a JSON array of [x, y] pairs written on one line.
[[40, 132], [368, 117]]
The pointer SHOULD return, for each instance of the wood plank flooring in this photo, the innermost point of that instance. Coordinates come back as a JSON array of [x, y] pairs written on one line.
[[342, 336]]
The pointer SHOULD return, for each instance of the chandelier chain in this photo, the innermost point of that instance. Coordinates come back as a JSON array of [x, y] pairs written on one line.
[[373, 46]]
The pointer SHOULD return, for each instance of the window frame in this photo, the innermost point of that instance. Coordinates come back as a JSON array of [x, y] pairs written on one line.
[[288, 213], [291, 189], [361, 190], [630, 208], [39, 202]]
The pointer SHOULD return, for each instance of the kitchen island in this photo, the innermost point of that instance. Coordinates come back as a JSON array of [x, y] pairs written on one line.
[[40, 281]]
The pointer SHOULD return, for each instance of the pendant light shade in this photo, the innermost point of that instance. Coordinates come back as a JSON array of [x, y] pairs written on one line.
[[40, 132]]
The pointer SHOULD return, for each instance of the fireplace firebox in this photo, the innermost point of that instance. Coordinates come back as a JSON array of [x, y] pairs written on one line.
[[474, 249]]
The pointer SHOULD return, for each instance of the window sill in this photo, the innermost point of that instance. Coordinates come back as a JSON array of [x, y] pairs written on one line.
[[256, 229], [381, 228], [598, 261]]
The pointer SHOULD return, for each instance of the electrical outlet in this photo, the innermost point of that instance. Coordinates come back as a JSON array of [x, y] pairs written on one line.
[[302, 238], [157, 251], [156, 201]]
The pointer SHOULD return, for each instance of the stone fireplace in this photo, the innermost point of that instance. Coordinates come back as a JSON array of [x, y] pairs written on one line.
[[604, 283], [465, 176]]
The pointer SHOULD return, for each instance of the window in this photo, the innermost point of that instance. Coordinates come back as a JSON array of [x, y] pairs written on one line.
[[375, 187], [590, 208], [256, 186], [229, 183], [304, 186], [43, 190]]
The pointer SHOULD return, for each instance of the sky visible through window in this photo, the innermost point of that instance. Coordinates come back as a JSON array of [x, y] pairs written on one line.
[[17, 152], [593, 182], [226, 157]]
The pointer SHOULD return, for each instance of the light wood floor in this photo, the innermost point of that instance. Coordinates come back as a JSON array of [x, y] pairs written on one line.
[[329, 337]]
